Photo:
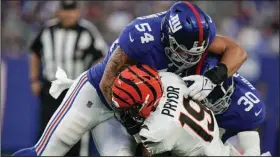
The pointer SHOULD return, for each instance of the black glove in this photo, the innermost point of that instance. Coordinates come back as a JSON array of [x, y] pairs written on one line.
[[218, 74], [132, 126]]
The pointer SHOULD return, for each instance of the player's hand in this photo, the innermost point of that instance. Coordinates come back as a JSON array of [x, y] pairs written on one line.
[[131, 126], [36, 88], [200, 88], [142, 151]]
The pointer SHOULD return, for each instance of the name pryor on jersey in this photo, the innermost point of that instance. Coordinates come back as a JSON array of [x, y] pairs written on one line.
[[169, 107]]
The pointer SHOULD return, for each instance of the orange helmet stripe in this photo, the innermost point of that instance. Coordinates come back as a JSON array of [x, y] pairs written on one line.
[[128, 94], [145, 68], [132, 84], [120, 99], [141, 67], [146, 83], [152, 72]]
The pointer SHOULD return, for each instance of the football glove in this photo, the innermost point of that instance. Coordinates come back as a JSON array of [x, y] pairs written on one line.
[[201, 87]]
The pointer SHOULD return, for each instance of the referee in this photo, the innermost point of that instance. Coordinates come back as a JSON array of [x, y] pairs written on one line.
[[69, 42]]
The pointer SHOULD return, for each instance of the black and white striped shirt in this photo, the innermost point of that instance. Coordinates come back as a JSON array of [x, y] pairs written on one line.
[[73, 49]]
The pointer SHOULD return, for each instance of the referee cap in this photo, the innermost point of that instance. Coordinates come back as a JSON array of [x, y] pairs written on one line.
[[69, 5]]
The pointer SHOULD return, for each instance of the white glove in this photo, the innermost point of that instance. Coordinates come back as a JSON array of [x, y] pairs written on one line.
[[59, 85], [201, 87]]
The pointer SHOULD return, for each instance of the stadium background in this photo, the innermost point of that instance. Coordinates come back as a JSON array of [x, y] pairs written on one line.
[[252, 24]]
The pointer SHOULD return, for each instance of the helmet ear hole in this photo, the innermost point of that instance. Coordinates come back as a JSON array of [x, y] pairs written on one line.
[[207, 21], [177, 11], [188, 21]]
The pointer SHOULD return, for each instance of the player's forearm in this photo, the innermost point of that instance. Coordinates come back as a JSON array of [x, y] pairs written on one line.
[[233, 58], [105, 87], [232, 54], [118, 61], [34, 67]]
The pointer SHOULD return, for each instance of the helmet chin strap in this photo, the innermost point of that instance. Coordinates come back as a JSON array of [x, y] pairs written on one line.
[[181, 69], [175, 69]]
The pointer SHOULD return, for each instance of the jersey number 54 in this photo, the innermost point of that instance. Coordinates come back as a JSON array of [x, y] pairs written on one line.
[[199, 116], [145, 27]]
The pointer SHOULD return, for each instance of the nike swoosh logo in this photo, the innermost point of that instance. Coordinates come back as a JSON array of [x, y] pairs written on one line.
[[257, 113], [144, 127], [205, 83], [131, 40]]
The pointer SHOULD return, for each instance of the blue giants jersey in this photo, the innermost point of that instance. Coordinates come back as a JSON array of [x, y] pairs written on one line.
[[141, 41], [246, 111]]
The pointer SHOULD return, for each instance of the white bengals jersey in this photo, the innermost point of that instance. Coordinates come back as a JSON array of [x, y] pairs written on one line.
[[181, 125]]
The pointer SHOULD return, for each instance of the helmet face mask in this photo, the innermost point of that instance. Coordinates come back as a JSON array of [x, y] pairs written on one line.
[[220, 105], [181, 56], [129, 117], [185, 37]]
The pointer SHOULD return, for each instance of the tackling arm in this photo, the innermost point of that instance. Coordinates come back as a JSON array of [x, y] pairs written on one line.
[[117, 62], [233, 55]]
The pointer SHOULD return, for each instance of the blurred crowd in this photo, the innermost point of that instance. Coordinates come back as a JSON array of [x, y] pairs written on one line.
[[253, 24]]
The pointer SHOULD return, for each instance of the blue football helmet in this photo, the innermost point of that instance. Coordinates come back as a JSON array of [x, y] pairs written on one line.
[[185, 34], [219, 99]]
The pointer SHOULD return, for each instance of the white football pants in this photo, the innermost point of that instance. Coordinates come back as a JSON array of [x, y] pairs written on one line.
[[82, 110]]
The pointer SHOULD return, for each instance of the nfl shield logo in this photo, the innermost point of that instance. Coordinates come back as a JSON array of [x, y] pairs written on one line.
[[89, 104]]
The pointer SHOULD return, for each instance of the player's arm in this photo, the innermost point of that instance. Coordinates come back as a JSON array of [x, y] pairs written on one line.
[[34, 64], [130, 50], [233, 55], [117, 62]]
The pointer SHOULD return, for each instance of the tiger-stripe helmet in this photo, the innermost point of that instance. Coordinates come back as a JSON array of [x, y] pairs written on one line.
[[137, 87]]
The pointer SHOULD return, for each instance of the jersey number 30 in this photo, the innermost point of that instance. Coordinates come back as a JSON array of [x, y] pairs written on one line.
[[199, 116], [248, 100]]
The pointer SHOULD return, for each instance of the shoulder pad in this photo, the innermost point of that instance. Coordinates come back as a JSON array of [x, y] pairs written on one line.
[[136, 39]]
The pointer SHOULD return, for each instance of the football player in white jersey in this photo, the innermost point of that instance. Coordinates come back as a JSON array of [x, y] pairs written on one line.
[[153, 108], [154, 104]]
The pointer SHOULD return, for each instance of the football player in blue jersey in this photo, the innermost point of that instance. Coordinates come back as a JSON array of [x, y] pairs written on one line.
[[176, 40], [236, 103]]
